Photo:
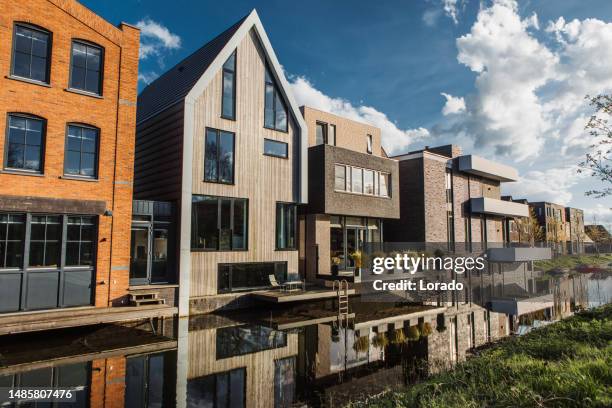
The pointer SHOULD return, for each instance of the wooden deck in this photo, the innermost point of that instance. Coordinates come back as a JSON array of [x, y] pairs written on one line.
[[63, 318], [279, 296]]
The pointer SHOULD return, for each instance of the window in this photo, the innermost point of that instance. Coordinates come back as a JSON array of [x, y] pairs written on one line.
[[361, 181], [384, 185], [275, 115], [369, 146], [368, 182], [86, 67], [340, 178], [219, 156], [80, 241], [45, 240], [12, 228], [248, 276], [24, 150], [81, 151], [221, 390], [31, 53], [219, 223], [247, 339], [357, 180], [276, 149], [331, 137], [325, 134], [228, 100], [321, 134], [286, 220]]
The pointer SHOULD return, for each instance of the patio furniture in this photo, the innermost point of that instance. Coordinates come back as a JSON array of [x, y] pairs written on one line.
[[274, 283]]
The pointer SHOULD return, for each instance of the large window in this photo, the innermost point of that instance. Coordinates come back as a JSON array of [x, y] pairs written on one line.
[[31, 53], [219, 156], [286, 221], [12, 229], [219, 223], [348, 235], [276, 149], [248, 339], [49, 258], [24, 147], [81, 151], [80, 241], [86, 67], [361, 181], [275, 115], [228, 100], [220, 390], [248, 276], [45, 241]]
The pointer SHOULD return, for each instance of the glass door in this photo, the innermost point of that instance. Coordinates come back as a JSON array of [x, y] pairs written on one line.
[[140, 251], [355, 237], [159, 256]]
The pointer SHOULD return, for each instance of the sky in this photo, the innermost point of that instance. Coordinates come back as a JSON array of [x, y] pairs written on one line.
[[504, 79]]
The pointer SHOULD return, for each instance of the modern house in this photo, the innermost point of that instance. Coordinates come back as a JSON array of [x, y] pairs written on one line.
[[575, 229], [352, 188], [68, 111], [552, 219], [220, 137], [450, 198]]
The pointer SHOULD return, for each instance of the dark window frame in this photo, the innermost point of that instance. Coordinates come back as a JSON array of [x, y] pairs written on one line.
[[96, 174], [218, 132], [42, 143], [25, 270], [234, 80], [284, 265], [100, 73], [219, 200], [280, 209], [40, 29], [324, 128], [369, 144], [276, 94], [6, 240], [285, 156]]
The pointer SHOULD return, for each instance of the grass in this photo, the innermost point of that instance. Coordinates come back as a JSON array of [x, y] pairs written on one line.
[[572, 261], [566, 364]]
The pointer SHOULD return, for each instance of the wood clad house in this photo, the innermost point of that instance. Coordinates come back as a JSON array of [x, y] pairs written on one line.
[[220, 135]]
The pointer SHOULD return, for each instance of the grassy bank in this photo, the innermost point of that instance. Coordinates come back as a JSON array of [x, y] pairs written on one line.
[[572, 261], [566, 364]]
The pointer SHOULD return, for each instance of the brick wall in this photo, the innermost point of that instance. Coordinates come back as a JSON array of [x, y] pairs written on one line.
[[113, 113]]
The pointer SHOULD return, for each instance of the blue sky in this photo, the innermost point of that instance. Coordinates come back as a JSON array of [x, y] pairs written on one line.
[[514, 74]]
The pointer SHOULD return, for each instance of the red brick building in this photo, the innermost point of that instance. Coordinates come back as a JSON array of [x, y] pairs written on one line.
[[68, 89]]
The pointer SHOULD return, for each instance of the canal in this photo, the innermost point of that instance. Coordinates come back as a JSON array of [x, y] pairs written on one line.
[[304, 355]]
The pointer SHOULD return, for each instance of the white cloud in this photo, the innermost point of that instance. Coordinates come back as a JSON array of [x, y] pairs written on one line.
[[450, 9], [394, 139], [156, 39], [431, 16], [599, 214], [147, 77], [551, 185], [453, 104]]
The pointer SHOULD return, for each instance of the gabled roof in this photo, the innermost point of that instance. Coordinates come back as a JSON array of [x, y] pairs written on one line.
[[174, 85]]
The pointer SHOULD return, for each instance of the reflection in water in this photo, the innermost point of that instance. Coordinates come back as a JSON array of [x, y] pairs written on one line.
[[303, 355]]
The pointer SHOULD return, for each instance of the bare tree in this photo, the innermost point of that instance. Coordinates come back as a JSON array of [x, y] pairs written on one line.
[[598, 162]]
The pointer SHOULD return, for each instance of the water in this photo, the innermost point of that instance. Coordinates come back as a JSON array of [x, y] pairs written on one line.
[[302, 355]]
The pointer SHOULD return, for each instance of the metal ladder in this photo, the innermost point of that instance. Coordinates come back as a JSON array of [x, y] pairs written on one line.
[[342, 288]]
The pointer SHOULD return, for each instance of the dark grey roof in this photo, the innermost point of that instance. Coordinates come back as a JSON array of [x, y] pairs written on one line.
[[172, 86]]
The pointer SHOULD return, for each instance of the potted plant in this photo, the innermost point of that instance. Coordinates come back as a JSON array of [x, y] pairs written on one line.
[[413, 333], [362, 344], [398, 337], [335, 265], [380, 341], [425, 329]]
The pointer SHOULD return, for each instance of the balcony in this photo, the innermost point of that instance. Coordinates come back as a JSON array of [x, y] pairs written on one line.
[[518, 254], [486, 168], [325, 198], [492, 206]]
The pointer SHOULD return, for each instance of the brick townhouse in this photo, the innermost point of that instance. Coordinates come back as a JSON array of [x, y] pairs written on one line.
[[68, 111]]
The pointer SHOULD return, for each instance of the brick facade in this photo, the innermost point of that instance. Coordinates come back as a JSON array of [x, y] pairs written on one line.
[[113, 113]]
